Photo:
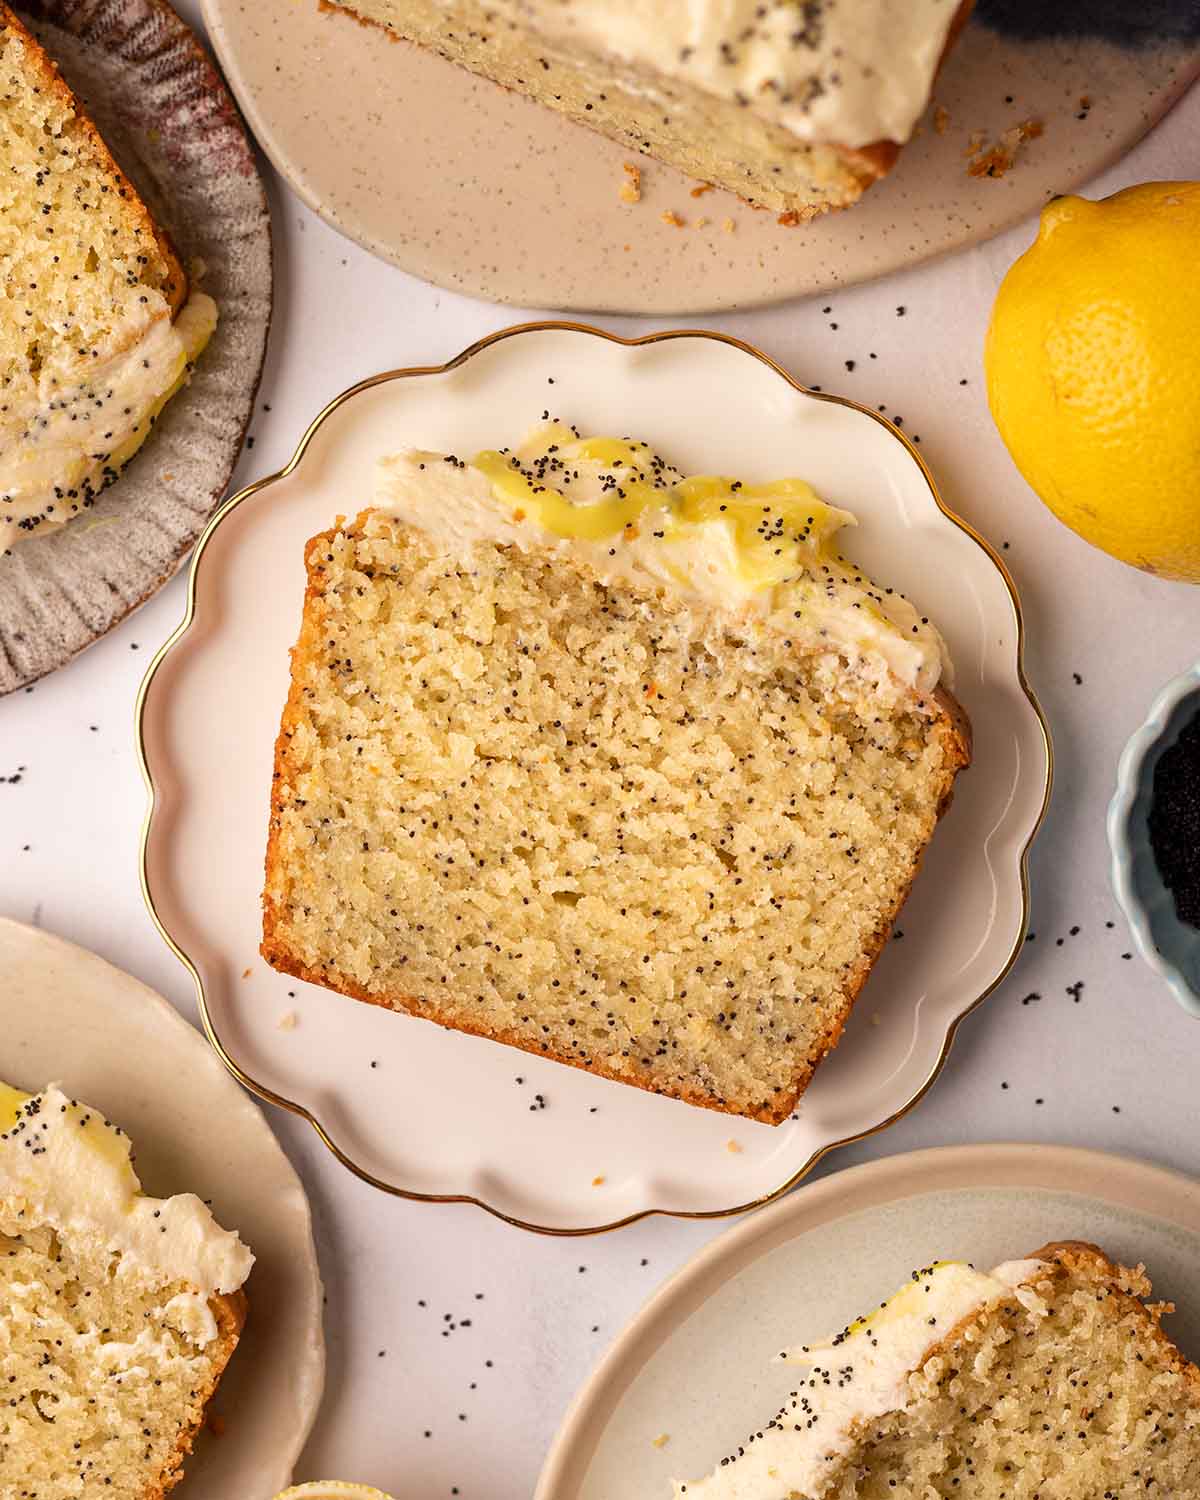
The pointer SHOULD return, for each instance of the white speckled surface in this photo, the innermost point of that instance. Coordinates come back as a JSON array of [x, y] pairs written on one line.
[[488, 193], [542, 1322]]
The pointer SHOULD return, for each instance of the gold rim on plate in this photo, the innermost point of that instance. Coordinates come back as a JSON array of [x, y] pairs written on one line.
[[269, 1094]]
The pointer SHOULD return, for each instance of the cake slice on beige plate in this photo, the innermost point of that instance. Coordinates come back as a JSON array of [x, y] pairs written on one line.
[[1044, 1379], [795, 105], [118, 1312], [98, 325], [626, 769]]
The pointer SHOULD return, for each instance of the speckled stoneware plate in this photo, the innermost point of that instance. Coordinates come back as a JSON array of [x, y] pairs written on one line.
[[66, 1016], [696, 1365], [482, 191], [162, 107], [437, 1114]]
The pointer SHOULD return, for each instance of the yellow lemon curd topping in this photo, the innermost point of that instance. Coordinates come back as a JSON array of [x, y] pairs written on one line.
[[769, 523], [860, 1374], [11, 1101], [63, 1164], [761, 550]]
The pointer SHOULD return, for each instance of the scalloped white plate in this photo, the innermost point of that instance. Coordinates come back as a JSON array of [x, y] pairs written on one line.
[[67, 1016], [696, 1365], [432, 1113]]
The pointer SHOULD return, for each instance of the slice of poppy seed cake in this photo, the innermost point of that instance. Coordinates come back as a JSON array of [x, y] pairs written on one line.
[[626, 769], [1045, 1379]]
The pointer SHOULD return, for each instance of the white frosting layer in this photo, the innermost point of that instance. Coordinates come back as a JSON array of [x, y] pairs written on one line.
[[823, 602], [65, 1166], [861, 1374], [63, 442], [826, 70]]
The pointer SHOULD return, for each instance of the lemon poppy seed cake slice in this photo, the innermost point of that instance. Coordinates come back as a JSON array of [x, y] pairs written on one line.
[[794, 106], [118, 1312], [626, 769], [98, 326], [1045, 1379]]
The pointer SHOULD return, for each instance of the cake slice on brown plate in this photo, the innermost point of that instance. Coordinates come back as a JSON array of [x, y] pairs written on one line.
[[98, 325]]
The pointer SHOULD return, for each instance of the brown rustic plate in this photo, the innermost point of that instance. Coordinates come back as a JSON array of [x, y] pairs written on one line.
[[164, 110]]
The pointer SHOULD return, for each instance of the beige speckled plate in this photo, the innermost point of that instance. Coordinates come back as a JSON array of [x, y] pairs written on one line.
[[695, 1367], [68, 1017], [484, 192], [168, 117]]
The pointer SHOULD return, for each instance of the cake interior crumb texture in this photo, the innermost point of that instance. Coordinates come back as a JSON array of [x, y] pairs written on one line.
[[591, 821], [100, 1390], [1089, 1402], [80, 253]]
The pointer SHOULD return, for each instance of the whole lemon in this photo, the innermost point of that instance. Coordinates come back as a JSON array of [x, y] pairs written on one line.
[[1093, 371]]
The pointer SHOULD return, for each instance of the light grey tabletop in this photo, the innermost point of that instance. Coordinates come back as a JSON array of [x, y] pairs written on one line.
[[456, 1342]]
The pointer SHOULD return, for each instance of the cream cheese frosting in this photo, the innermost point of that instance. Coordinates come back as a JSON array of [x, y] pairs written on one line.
[[860, 1374], [63, 1165], [66, 439], [825, 70], [761, 553]]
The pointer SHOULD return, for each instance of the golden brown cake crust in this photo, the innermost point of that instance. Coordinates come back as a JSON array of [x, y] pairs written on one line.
[[229, 1310], [175, 287], [1088, 1261], [952, 727]]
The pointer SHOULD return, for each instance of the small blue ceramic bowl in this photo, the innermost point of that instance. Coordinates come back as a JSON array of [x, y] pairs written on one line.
[[1169, 946]]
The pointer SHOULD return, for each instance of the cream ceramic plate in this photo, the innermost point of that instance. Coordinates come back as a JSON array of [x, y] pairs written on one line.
[[433, 1113], [67, 1016], [695, 1366], [165, 111], [485, 192]]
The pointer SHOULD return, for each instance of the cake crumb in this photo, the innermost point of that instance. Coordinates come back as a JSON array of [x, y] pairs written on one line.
[[701, 222], [701, 188], [215, 1424], [669, 216], [997, 159], [631, 188], [941, 119], [661, 1440], [734, 1147], [288, 1021], [729, 226], [246, 973], [598, 1181]]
